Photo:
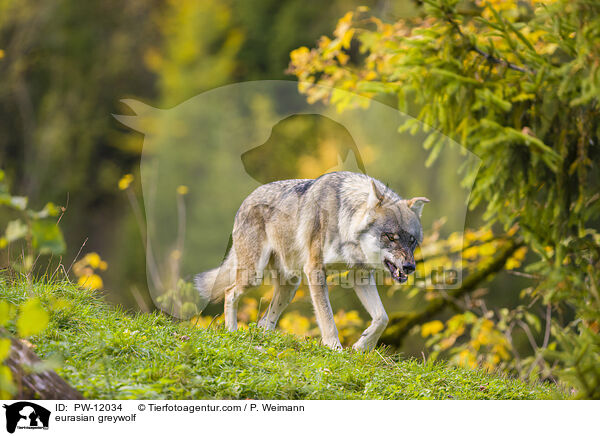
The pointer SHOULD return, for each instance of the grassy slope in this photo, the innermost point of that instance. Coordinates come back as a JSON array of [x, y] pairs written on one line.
[[107, 353]]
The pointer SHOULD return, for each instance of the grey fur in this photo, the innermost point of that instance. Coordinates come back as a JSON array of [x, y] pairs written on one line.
[[299, 227]]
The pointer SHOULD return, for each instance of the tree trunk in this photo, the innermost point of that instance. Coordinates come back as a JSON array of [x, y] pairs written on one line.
[[31, 384]]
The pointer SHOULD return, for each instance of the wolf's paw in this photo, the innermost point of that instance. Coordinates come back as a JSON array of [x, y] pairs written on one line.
[[334, 344], [265, 324], [363, 345]]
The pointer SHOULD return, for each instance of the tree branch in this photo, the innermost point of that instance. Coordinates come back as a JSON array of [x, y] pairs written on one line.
[[488, 57]]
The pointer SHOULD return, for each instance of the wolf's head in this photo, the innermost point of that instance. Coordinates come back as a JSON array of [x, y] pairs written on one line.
[[393, 230]]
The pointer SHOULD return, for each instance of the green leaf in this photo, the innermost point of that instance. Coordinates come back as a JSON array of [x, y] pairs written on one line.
[[7, 311], [47, 237], [7, 387], [376, 87], [49, 210], [434, 154], [451, 75], [4, 348], [19, 203], [533, 321], [33, 319], [520, 36], [15, 230]]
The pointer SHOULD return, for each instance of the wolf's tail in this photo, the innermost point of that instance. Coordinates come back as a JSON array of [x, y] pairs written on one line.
[[212, 284]]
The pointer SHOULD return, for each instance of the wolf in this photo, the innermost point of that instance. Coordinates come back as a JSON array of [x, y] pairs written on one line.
[[304, 227]]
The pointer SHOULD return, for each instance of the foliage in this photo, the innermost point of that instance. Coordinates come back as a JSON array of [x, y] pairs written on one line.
[[192, 31], [183, 299], [37, 229], [64, 79], [86, 270], [108, 353], [517, 83], [31, 320]]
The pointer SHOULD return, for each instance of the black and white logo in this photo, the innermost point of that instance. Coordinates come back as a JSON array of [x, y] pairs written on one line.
[[26, 415]]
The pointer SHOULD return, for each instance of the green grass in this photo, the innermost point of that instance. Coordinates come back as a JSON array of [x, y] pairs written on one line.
[[107, 353]]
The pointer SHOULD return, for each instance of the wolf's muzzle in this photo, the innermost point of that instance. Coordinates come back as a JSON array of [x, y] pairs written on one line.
[[409, 268]]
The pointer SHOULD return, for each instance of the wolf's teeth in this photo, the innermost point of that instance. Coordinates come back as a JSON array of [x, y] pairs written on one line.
[[397, 272]]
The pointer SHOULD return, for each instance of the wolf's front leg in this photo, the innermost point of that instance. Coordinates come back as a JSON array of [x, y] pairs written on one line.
[[317, 283], [369, 297]]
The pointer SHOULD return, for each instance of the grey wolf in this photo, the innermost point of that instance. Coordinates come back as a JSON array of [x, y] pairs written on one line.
[[304, 226]]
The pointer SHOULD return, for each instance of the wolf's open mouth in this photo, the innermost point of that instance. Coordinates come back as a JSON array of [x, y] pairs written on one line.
[[396, 271]]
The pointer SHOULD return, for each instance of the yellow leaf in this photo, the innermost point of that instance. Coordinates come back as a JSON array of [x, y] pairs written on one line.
[[299, 53], [295, 323], [520, 253], [7, 388], [487, 249], [447, 342], [6, 312], [93, 259], [347, 38], [33, 319], [343, 58], [92, 281], [125, 181], [470, 253], [346, 19], [4, 348], [431, 328]]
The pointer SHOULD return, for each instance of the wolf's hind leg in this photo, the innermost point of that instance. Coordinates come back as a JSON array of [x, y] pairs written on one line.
[[247, 276], [283, 294], [369, 297], [250, 266], [232, 297]]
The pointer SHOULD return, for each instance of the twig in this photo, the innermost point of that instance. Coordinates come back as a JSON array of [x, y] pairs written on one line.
[[527, 331], [522, 274], [63, 210], [487, 56], [548, 324], [75, 258], [508, 336], [212, 320]]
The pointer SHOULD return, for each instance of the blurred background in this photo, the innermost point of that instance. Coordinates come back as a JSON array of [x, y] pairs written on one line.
[[66, 65]]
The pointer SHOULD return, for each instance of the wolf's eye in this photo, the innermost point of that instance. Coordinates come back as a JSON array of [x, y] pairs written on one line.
[[412, 239], [390, 236]]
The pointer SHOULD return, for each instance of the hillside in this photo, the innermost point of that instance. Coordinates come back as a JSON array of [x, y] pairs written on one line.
[[107, 353]]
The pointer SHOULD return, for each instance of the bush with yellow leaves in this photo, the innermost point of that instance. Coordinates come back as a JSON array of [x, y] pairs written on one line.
[[86, 270]]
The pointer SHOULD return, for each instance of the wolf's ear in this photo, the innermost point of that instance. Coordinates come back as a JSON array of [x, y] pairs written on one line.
[[416, 204], [375, 196]]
